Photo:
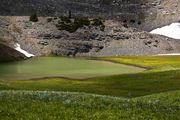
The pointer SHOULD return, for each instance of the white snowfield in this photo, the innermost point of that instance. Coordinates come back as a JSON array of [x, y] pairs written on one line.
[[18, 48], [172, 31], [170, 54]]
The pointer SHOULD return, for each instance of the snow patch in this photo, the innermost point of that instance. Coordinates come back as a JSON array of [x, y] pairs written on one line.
[[18, 48], [172, 31], [170, 54]]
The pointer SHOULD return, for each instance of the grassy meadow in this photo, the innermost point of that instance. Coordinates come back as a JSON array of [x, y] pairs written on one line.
[[151, 94], [30, 105], [156, 63]]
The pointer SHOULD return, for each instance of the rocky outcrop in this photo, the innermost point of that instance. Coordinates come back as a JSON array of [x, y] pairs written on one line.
[[142, 14], [9, 54], [7, 41], [125, 23], [133, 11], [44, 38], [106, 8], [161, 13]]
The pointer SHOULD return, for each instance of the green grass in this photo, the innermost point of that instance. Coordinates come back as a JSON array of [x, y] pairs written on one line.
[[126, 85], [153, 94], [131, 85], [23, 105], [156, 62], [63, 67]]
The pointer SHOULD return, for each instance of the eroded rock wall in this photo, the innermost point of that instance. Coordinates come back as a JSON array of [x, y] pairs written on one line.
[[44, 38], [7, 41], [144, 14], [9, 54], [132, 11]]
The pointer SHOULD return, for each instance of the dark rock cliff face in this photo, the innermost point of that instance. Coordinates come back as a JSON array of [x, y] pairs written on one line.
[[132, 11], [9, 54], [108, 8], [144, 14]]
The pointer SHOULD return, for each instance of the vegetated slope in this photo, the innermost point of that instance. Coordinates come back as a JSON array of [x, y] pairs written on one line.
[[131, 85], [160, 63], [31, 105]]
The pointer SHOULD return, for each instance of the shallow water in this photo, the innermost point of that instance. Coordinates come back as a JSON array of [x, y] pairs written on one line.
[[62, 67]]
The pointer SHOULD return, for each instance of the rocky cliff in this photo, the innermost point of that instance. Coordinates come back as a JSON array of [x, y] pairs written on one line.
[[7, 41], [145, 14], [45, 38], [106, 8], [124, 26], [9, 54]]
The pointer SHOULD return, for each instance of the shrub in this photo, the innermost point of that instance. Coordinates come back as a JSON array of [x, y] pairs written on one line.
[[65, 19], [82, 22], [132, 21], [102, 27], [68, 25], [69, 14], [139, 23], [71, 26], [33, 17], [97, 22], [49, 19]]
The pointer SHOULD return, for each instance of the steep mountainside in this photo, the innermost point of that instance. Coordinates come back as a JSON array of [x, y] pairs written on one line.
[[44, 38], [162, 13], [150, 13], [120, 30]]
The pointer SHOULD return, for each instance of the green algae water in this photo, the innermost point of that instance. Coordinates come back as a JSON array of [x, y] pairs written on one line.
[[62, 67]]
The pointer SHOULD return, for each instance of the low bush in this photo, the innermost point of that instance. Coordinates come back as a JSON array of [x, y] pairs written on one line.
[[71, 25], [49, 19], [65, 19], [33, 17], [98, 22]]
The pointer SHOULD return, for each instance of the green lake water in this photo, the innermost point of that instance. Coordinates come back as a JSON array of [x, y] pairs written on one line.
[[62, 67]]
